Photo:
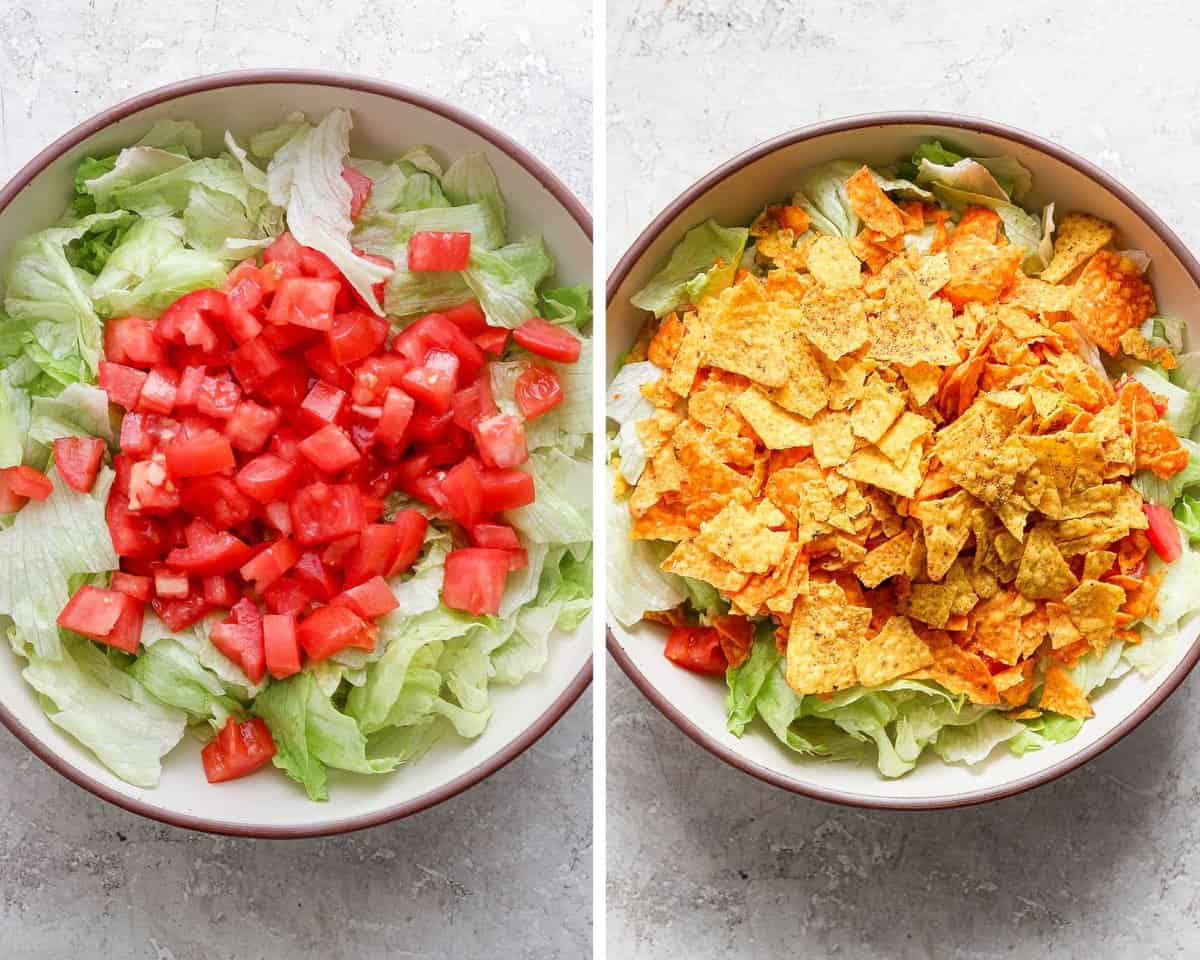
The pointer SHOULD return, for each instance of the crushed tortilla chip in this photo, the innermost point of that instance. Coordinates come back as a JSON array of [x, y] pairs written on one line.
[[745, 538], [834, 320], [1015, 684], [833, 264], [945, 527], [876, 410], [910, 329], [1061, 695], [776, 427], [1076, 239], [688, 355], [1111, 297], [832, 440], [966, 673], [1133, 344], [664, 345], [1043, 574], [980, 271], [804, 393], [906, 433], [824, 639], [922, 379], [745, 333], [873, 206], [689, 559], [893, 652], [1097, 563], [1093, 607], [892, 558], [1062, 629], [868, 465]]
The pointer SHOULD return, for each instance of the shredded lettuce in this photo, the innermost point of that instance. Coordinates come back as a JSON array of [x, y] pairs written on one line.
[[702, 263], [636, 583], [1183, 405]]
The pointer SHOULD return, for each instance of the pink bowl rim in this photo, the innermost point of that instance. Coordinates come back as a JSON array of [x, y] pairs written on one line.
[[664, 220], [561, 193]]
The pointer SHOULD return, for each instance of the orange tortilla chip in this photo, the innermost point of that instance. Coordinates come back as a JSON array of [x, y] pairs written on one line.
[[833, 264], [1061, 695], [962, 672], [776, 428], [737, 637], [665, 342], [824, 639], [1111, 297], [745, 333], [980, 271], [876, 209], [1015, 684], [1076, 239], [744, 538], [892, 558]]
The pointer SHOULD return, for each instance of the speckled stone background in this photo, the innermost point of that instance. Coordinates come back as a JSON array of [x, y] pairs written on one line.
[[705, 862], [504, 868]]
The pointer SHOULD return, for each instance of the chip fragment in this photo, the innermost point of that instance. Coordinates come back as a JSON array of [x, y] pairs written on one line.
[[833, 264], [1111, 297], [824, 639], [1076, 239], [1060, 694], [893, 652]]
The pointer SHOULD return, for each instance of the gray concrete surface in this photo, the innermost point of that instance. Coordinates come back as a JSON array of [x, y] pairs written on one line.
[[705, 862], [506, 867]]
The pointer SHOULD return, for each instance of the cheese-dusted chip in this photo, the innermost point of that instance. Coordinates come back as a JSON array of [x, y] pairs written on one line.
[[1134, 344], [962, 672], [1060, 694], [745, 333], [1060, 626], [657, 430], [922, 379], [689, 559], [906, 433], [873, 206], [833, 319], [664, 345], [909, 329], [805, 392], [1076, 239], [930, 603], [876, 410], [743, 538], [892, 558], [713, 395], [980, 271], [833, 264], [868, 465], [893, 652], [777, 428], [1038, 296], [1093, 607], [1015, 684], [945, 527], [998, 626], [832, 440], [933, 273], [823, 641], [1097, 563], [688, 355], [1111, 297], [1044, 574]]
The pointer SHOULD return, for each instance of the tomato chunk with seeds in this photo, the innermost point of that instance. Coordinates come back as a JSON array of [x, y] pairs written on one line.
[[322, 513], [239, 749], [78, 461], [697, 649], [538, 389]]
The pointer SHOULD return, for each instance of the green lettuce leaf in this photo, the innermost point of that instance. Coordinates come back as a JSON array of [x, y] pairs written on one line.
[[385, 233], [703, 263], [746, 682], [174, 675], [562, 512], [568, 306], [505, 281], [1187, 515], [470, 180], [636, 582]]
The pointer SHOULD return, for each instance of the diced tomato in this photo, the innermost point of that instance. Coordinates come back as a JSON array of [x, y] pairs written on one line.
[[517, 559], [538, 390], [285, 443], [320, 359], [435, 330], [436, 250], [218, 397], [220, 590], [190, 382], [217, 499], [323, 404], [501, 440], [280, 645], [181, 614], [284, 249], [360, 189], [373, 554], [1163, 532], [94, 611], [245, 296], [474, 580], [371, 598], [167, 584], [330, 449], [278, 516], [506, 489], [151, 489], [271, 564], [697, 649], [283, 339], [27, 482], [78, 460], [135, 438], [189, 319], [493, 340], [463, 492], [133, 535], [287, 595], [497, 536], [9, 501], [239, 749], [355, 334], [267, 478], [329, 629], [209, 551], [251, 426], [374, 376], [315, 577], [469, 317], [428, 427], [253, 363], [206, 452], [547, 340], [339, 551], [286, 388], [240, 637], [325, 512], [131, 340], [159, 390], [304, 302], [395, 414], [140, 588], [313, 263], [122, 384]]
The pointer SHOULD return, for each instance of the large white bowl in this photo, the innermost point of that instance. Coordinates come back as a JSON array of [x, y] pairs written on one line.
[[733, 194], [387, 119]]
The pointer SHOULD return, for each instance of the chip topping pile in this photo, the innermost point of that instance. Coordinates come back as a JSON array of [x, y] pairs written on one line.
[[900, 451]]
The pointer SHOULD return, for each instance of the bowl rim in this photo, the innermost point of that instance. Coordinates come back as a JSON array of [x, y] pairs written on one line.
[[577, 211], [664, 219]]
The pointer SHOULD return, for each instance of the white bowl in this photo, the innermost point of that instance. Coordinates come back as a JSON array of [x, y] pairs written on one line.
[[732, 194], [387, 119]]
